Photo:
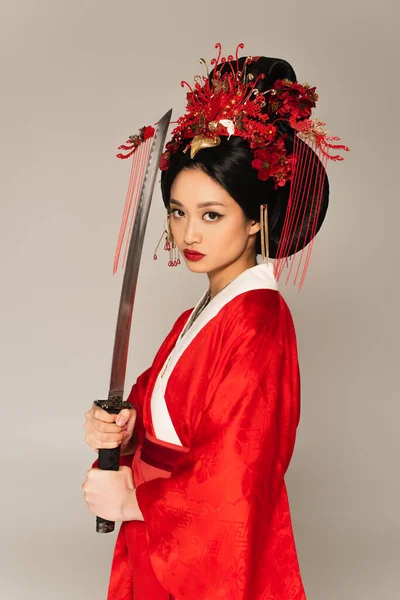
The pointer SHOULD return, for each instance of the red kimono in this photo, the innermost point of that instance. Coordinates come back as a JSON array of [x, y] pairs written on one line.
[[226, 390]]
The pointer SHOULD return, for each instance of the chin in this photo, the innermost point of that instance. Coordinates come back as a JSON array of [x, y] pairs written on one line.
[[204, 266], [196, 267]]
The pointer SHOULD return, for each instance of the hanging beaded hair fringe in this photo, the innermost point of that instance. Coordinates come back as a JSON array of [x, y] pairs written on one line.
[[306, 191], [136, 179], [264, 232]]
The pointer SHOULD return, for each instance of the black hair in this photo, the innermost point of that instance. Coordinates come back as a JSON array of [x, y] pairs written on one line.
[[229, 165]]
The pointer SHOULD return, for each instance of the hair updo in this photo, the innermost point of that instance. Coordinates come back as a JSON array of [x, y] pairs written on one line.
[[229, 165]]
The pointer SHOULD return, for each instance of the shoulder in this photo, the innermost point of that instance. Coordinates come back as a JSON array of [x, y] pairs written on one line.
[[257, 342], [257, 311], [257, 332]]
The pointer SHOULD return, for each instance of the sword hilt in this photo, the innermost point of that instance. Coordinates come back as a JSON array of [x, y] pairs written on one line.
[[109, 457]]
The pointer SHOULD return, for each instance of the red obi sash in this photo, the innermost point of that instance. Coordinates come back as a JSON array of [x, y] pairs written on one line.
[[155, 458]]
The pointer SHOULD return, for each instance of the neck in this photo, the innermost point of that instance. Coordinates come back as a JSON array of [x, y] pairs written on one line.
[[220, 278]]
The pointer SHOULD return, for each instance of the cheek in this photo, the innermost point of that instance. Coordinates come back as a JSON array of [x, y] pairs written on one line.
[[233, 231]]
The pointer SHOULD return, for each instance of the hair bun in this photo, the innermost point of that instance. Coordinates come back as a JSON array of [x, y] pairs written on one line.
[[273, 69]]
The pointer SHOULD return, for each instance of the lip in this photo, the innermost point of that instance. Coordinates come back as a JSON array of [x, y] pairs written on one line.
[[193, 255]]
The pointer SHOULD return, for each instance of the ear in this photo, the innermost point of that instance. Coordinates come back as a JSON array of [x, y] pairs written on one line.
[[254, 227]]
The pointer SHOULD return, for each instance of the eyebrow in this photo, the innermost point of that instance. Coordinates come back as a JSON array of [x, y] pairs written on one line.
[[200, 205]]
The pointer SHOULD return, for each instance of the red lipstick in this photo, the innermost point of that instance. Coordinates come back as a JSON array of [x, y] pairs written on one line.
[[193, 255]]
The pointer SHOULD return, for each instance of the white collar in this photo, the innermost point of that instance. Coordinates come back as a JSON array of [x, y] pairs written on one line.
[[259, 277]]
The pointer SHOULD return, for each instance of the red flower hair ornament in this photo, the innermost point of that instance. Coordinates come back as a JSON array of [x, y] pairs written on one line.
[[230, 104]]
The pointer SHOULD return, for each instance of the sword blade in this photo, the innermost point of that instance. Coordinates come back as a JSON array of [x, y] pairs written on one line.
[[122, 334]]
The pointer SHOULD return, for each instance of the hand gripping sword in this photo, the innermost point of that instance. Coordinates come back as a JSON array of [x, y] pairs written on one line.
[[109, 458]]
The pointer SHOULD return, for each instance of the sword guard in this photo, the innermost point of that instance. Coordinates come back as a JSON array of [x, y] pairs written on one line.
[[113, 405]]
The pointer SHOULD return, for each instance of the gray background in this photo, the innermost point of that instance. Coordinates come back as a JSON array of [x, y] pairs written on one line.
[[76, 79]]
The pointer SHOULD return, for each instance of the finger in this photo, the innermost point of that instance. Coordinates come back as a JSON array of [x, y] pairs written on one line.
[[105, 427], [91, 444], [107, 445], [126, 473], [110, 437], [96, 443], [103, 415], [124, 416]]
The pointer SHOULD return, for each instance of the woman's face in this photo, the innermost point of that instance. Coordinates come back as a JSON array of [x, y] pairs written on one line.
[[207, 220]]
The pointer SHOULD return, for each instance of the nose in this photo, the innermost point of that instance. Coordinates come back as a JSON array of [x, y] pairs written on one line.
[[192, 234]]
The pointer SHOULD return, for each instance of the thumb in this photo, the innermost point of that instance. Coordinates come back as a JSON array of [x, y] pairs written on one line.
[[123, 417]]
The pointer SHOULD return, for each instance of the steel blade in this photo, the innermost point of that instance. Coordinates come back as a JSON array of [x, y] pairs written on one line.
[[122, 334]]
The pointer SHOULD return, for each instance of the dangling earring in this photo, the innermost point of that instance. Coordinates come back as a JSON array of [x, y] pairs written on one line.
[[169, 246], [264, 232]]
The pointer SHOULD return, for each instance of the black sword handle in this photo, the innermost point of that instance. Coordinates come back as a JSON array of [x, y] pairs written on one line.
[[109, 457]]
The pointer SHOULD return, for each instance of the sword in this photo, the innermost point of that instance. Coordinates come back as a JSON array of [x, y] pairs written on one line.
[[109, 458]]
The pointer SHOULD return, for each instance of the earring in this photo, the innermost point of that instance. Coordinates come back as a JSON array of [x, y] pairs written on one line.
[[169, 246], [264, 232]]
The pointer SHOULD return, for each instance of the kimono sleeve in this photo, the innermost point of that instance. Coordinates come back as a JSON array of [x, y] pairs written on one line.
[[209, 524], [135, 398]]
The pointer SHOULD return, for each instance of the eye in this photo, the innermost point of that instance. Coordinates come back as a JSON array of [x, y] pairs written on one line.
[[214, 216], [177, 210]]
